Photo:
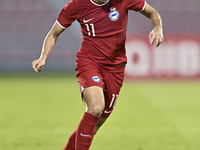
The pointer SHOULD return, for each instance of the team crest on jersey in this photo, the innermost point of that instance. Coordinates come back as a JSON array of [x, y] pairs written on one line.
[[114, 14], [96, 79]]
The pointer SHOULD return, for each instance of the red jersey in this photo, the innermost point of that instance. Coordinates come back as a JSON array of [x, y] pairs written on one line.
[[103, 27]]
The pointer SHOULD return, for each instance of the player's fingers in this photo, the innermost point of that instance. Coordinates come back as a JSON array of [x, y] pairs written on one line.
[[151, 39], [34, 65], [157, 42], [150, 36], [40, 69], [160, 40]]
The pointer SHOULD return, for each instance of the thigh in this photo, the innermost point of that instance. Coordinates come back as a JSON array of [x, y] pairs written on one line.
[[90, 77], [91, 86], [88, 74], [93, 98]]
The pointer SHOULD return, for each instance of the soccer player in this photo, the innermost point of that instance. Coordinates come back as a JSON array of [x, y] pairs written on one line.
[[101, 60]]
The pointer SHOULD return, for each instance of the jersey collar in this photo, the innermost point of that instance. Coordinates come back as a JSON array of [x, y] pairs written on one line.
[[99, 4]]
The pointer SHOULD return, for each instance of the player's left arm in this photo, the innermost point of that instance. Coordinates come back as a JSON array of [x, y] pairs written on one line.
[[157, 33]]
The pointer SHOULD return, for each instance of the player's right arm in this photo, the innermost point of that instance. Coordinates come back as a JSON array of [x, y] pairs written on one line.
[[48, 44]]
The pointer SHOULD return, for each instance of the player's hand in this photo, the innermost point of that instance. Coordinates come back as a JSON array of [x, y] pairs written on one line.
[[38, 65], [156, 36]]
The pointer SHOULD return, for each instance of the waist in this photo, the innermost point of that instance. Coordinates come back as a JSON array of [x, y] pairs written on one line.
[[117, 65]]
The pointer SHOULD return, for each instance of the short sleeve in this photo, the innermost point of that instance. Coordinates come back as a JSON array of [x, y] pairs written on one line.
[[136, 5], [68, 14]]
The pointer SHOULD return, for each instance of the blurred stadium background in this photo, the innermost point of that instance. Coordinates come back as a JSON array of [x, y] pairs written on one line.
[[40, 111], [24, 25]]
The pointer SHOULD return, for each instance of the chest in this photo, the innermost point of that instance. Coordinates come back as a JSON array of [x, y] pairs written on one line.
[[110, 17]]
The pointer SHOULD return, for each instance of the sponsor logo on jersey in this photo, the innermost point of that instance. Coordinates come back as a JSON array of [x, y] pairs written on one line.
[[84, 134], [114, 14], [96, 79], [85, 21], [107, 112]]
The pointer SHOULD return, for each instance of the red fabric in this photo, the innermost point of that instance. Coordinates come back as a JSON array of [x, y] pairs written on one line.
[[79, 9], [85, 131], [81, 139], [103, 38], [71, 142], [91, 74]]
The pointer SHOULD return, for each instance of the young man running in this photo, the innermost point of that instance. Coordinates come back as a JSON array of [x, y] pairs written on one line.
[[101, 60]]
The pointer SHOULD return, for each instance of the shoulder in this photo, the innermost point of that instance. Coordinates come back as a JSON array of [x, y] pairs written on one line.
[[71, 8], [69, 13], [136, 5], [72, 3]]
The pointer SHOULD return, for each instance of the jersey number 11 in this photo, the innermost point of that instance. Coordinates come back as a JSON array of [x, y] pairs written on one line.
[[90, 27]]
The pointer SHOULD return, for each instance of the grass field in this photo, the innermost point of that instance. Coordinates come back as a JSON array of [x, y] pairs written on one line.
[[40, 112]]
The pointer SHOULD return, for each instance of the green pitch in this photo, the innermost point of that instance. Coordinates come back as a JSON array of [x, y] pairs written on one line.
[[40, 112]]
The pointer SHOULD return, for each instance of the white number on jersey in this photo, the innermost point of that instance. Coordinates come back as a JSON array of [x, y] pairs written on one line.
[[114, 100], [92, 28]]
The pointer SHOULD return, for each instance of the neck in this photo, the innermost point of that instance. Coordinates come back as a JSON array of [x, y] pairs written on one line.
[[100, 1]]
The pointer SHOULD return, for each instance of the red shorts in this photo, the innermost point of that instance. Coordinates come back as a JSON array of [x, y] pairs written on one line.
[[90, 74]]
